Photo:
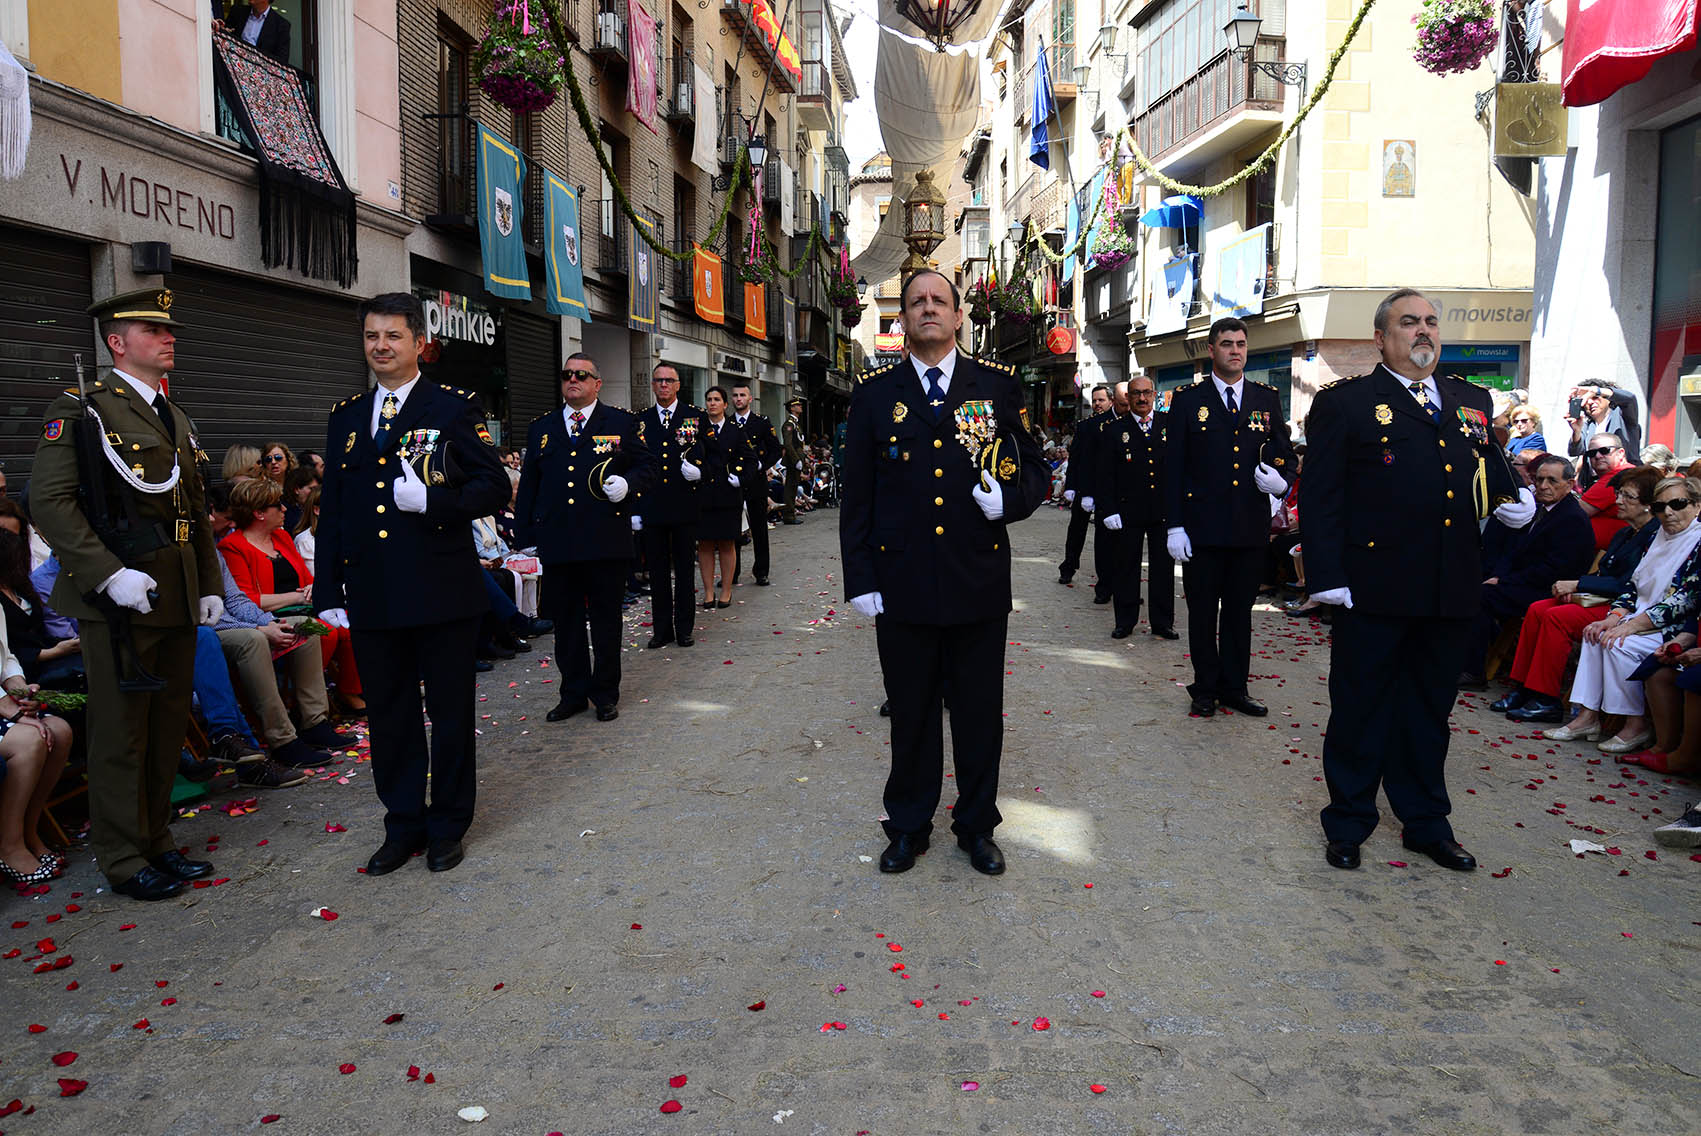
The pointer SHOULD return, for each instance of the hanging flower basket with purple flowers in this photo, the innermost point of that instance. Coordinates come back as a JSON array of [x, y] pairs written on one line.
[[1454, 35], [516, 62]]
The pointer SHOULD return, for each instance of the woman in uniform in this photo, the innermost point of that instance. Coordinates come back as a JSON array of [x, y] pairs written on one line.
[[724, 461]]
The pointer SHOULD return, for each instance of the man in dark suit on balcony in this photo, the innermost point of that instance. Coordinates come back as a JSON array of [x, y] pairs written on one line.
[[259, 25]]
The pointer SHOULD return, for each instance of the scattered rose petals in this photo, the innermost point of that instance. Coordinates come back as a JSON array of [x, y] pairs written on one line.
[[1396, 863], [168, 1001], [8, 1109], [1499, 962], [413, 1072], [70, 1087], [38, 1029], [346, 1068], [1627, 934], [894, 947], [1651, 854], [473, 1113], [329, 827], [970, 1086], [1096, 1088], [916, 1002], [324, 913], [671, 1106], [431, 1078], [128, 927], [498, 986], [161, 983], [393, 1019], [757, 1007], [637, 926], [116, 967], [677, 1082], [1042, 1023], [64, 1059], [1098, 993], [944, 1017], [143, 1024], [271, 1118]]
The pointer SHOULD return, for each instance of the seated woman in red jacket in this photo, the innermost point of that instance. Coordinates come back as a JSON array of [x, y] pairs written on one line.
[[266, 566]]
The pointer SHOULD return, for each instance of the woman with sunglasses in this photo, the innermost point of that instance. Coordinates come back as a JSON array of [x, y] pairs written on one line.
[[1526, 423], [276, 460], [1665, 591]]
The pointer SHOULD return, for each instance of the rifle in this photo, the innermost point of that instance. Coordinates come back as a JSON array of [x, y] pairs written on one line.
[[92, 488]]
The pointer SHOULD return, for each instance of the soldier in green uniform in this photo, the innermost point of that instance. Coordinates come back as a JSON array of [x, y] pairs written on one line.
[[791, 444], [152, 572]]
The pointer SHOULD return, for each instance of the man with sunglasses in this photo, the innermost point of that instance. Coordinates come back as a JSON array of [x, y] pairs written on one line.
[[584, 466], [1604, 456], [667, 509]]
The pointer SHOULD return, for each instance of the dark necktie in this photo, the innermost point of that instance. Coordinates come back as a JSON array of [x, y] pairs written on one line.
[[935, 392], [1421, 393], [164, 413], [386, 419], [577, 423], [666, 417], [1228, 397]]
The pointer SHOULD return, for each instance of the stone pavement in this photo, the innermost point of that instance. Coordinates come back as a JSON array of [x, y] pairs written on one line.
[[687, 894]]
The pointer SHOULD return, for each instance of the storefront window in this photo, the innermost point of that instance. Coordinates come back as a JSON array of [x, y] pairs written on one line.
[[1274, 368], [1675, 368], [465, 347], [1491, 365]]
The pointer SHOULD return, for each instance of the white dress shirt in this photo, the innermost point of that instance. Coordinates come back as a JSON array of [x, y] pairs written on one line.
[[1238, 387], [947, 366], [567, 415], [378, 394], [251, 29]]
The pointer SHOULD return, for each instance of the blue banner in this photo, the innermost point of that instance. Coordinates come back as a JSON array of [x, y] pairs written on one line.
[[565, 295], [1045, 105], [641, 293], [501, 235]]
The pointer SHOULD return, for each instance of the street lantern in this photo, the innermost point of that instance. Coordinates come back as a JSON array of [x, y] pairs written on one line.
[[924, 220], [1242, 31], [862, 286], [938, 19], [1016, 230], [1082, 72], [758, 151], [1107, 38]]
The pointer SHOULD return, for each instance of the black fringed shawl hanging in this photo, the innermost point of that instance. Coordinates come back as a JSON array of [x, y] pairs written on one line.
[[307, 218]]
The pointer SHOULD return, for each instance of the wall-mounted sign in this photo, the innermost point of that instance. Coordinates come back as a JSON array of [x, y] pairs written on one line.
[[1399, 167], [1529, 120], [1060, 340], [452, 316]]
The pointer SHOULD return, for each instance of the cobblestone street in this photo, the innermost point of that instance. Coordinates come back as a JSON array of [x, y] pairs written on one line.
[[688, 893]]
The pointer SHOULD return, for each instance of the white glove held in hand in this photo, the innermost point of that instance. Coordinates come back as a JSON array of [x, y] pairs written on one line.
[[212, 610], [410, 491], [990, 498], [691, 472], [869, 604], [1180, 548], [1113, 522], [335, 617], [637, 524], [615, 487], [1269, 481], [1087, 504], [1517, 514], [1068, 496], [732, 480], [1341, 596], [129, 588]]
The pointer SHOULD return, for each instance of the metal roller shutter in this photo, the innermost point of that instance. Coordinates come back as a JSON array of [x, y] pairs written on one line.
[[44, 294], [257, 362], [534, 373]]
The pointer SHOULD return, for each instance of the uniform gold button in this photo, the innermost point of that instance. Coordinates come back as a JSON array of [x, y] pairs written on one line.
[[882, 548], [1235, 482], [939, 500], [937, 443], [1449, 495], [1448, 468], [1237, 449], [995, 546], [383, 461], [135, 445], [1237, 465], [383, 535], [938, 530], [1442, 442], [1372, 544], [570, 469], [1448, 523], [570, 501], [380, 508], [893, 438], [938, 473], [380, 485]]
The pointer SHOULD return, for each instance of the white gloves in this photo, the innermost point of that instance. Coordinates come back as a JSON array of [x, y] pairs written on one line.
[[1180, 548], [637, 524], [410, 491], [129, 588], [335, 617], [212, 610], [990, 498], [1269, 481], [691, 472], [1068, 496], [1341, 596], [615, 487], [1517, 514], [1113, 522], [774, 471], [1087, 504], [732, 480], [869, 604], [800, 467]]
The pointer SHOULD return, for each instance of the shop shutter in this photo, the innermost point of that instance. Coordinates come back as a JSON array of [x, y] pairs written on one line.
[[257, 361], [534, 373], [44, 294]]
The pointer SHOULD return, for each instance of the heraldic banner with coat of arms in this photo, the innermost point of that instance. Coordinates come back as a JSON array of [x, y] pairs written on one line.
[[563, 259], [501, 237]]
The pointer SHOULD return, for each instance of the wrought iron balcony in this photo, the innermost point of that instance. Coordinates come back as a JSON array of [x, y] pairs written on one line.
[[1223, 89], [610, 45]]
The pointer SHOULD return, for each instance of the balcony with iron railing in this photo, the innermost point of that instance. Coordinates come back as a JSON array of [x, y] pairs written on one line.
[[680, 105], [1216, 112], [684, 271], [608, 225], [456, 198], [609, 44], [738, 15], [815, 109]]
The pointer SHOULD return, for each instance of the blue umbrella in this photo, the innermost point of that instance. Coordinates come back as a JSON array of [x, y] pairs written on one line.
[[1045, 105], [1179, 212]]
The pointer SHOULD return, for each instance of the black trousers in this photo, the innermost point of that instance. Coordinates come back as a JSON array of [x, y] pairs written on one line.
[[1079, 520], [1125, 576], [670, 552], [575, 593], [1222, 584], [920, 662], [393, 661], [756, 504], [1392, 684], [1498, 604]]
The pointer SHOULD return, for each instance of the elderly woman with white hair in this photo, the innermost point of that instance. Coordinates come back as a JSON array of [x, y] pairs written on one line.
[[1665, 591]]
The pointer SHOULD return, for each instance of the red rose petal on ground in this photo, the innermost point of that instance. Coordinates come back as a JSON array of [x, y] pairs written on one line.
[[71, 986], [168, 1001], [1651, 854], [64, 1059], [161, 983], [1086, 885], [271, 1118], [1627, 934], [676, 1082], [128, 927], [757, 1007], [116, 967], [1096, 1088], [894, 947], [1042, 1023], [64, 961], [9, 1109], [1501, 874], [69, 1087], [1098, 993], [1396, 863], [38, 1029], [431, 1078], [346, 1068], [1499, 962], [46, 947], [498, 986], [671, 1106], [393, 1019], [637, 926], [143, 1024], [413, 1072], [329, 827]]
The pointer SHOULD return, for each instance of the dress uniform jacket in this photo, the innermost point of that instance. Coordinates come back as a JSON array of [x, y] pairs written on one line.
[[727, 453], [1392, 499], [559, 510], [169, 538], [1128, 474], [396, 569], [1082, 460], [759, 436], [792, 446], [1210, 458], [670, 499], [909, 527]]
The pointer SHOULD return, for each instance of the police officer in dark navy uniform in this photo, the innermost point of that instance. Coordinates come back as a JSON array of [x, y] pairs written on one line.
[[1402, 468], [938, 461], [1077, 492], [154, 570], [584, 467], [764, 450], [1226, 451], [1129, 485], [409, 465], [667, 511]]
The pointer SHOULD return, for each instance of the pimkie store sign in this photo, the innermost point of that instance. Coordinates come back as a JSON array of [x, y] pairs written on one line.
[[449, 316]]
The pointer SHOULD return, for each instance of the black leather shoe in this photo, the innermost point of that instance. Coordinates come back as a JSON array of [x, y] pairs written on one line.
[[1166, 633], [1470, 680], [1122, 633], [1341, 854], [1245, 704], [1447, 853], [1203, 707], [886, 708], [1064, 578], [175, 863], [901, 853], [150, 884], [984, 855], [444, 855], [1512, 700], [483, 665], [1101, 600], [1539, 708], [686, 640], [761, 581], [793, 521], [391, 855], [659, 641], [607, 713], [539, 627], [564, 710]]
